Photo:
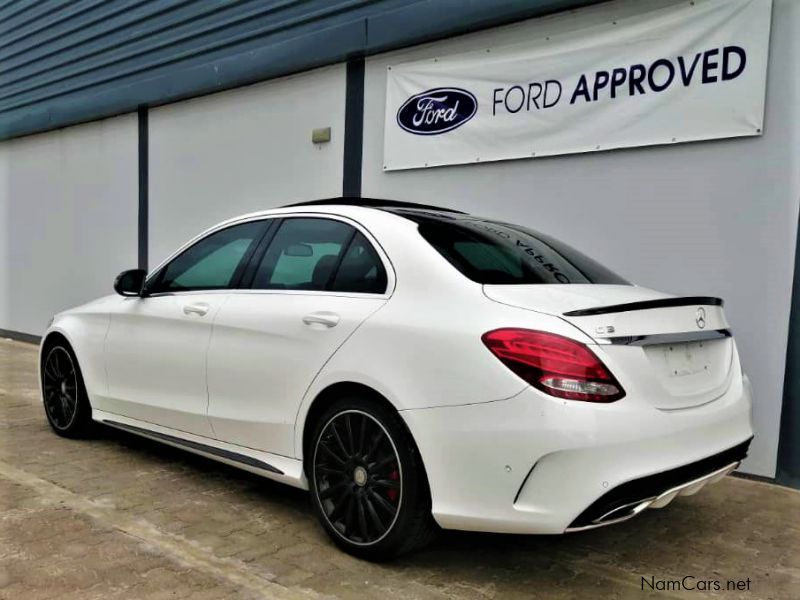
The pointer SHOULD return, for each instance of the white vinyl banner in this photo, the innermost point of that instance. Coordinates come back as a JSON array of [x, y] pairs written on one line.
[[681, 72]]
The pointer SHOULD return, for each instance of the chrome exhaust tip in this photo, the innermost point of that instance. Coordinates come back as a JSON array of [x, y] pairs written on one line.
[[631, 509]]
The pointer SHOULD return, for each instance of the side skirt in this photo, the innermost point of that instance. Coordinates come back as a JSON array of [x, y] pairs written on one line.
[[279, 468], [234, 456]]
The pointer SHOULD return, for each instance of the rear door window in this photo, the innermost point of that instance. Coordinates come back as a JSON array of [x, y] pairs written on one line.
[[309, 253], [361, 269]]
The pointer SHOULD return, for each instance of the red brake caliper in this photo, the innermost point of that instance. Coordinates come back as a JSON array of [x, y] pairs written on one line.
[[391, 493]]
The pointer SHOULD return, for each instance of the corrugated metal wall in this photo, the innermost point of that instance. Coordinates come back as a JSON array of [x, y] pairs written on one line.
[[67, 61]]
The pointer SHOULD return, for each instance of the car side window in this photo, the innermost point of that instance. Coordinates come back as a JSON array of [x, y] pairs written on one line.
[[212, 262], [302, 255], [309, 253], [361, 269]]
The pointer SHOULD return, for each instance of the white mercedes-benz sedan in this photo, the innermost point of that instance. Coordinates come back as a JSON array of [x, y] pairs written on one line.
[[410, 366]]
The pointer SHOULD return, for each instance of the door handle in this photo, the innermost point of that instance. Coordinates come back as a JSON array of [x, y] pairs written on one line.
[[325, 318], [200, 309]]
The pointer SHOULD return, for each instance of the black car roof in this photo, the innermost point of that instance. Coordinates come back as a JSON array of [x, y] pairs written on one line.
[[394, 206]]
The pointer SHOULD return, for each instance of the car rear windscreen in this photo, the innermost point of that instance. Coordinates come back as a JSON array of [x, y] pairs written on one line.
[[491, 252]]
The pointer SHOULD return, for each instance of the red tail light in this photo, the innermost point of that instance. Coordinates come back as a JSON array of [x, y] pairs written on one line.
[[556, 365]]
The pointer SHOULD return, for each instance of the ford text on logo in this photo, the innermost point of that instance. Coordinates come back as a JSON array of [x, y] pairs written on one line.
[[437, 111]]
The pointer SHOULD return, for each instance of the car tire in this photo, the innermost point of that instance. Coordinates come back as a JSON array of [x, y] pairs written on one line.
[[66, 403], [367, 481]]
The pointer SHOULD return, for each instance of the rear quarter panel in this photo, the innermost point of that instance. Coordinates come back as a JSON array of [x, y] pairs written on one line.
[[423, 349]]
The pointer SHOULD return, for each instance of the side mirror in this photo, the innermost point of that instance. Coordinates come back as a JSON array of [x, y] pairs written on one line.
[[130, 283]]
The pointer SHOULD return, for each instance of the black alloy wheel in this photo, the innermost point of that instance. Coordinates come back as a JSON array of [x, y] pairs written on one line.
[[60, 388], [65, 402], [358, 477], [368, 484]]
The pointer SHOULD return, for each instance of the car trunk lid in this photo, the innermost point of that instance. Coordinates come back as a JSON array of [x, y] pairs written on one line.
[[674, 351]]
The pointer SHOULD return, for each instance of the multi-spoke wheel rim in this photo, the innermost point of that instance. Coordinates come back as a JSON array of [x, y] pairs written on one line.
[[60, 385], [358, 477]]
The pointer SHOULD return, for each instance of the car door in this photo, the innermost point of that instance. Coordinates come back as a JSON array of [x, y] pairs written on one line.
[[155, 350], [313, 283]]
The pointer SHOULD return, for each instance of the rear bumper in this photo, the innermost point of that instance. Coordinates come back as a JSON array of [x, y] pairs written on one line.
[[656, 491], [536, 464]]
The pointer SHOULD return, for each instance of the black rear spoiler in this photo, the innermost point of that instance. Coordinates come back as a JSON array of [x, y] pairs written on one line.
[[647, 304]]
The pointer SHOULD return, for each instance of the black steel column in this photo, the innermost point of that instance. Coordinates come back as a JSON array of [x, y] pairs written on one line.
[[353, 128], [788, 470], [144, 175]]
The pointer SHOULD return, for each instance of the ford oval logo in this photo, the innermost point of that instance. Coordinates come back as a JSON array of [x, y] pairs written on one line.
[[437, 111]]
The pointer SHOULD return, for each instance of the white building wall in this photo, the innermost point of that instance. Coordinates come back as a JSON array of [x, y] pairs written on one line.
[[68, 218], [243, 150], [710, 218]]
